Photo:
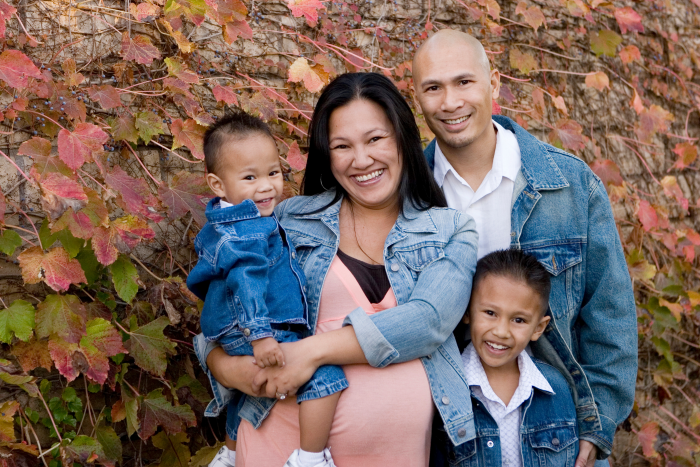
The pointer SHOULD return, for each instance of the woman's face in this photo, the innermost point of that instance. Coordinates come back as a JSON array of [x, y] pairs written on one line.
[[364, 155]]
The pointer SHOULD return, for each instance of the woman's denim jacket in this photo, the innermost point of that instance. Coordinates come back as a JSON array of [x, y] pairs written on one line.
[[246, 274], [548, 431], [430, 257]]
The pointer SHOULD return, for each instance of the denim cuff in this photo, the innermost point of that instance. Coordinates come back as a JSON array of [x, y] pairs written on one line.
[[378, 351], [222, 395], [603, 438], [256, 330]]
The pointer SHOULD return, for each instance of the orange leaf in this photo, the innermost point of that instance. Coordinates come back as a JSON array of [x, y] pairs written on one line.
[[673, 190], [190, 134], [139, 49], [16, 68], [630, 53], [567, 134], [629, 20], [533, 15], [234, 29], [301, 71], [608, 172], [307, 8], [687, 153], [598, 80], [560, 105], [523, 61], [56, 268], [647, 437], [295, 158], [647, 215]]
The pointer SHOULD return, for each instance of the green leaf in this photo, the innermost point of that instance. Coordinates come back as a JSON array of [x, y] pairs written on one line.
[[110, 442], [45, 236], [148, 124], [149, 346], [124, 275], [88, 261], [69, 242], [157, 411], [205, 455], [94, 387], [84, 450], [18, 318], [69, 394], [605, 42], [175, 450], [663, 348], [45, 386], [10, 241], [33, 415], [28, 383]]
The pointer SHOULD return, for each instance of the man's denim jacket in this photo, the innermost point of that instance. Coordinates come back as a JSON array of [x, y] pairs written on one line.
[[430, 257], [548, 431], [245, 275], [561, 214]]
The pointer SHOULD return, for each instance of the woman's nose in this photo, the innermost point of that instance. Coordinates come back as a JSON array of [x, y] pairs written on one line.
[[362, 159]]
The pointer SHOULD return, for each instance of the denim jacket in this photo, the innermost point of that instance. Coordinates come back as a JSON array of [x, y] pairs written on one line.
[[548, 431], [425, 252], [242, 255], [561, 214]]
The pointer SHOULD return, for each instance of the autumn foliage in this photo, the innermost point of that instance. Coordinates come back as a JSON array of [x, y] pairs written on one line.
[[102, 113]]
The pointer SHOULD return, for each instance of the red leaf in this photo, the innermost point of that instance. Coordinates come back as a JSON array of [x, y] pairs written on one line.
[[77, 147], [226, 94], [134, 194], [82, 224], [495, 108], [130, 231], [35, 147], [181, 71], [568, 134], [106, 95], [653, 120], [62, 354], [56, 268], [234, 29], [156, 410], [647, 437], [61, 315], [307, 8], [301, 71], [295, 159], [139, 49], [190, 134], [647, 215], [187, 192], [687, 153], [673, 190], [224, 11], [6, 13], [59, 192], [598, 80], [103, 246], [630, 53], [143, 11], [608, 172], [629, 20], [16, 69]]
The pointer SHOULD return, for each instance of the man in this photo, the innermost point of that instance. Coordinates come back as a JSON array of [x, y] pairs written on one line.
[[529, 195]]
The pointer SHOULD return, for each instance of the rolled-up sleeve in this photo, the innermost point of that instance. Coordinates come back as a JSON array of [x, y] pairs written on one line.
[[437, 303]]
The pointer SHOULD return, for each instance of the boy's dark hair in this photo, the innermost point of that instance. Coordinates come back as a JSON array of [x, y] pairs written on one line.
[[237, 124], [516, 265]]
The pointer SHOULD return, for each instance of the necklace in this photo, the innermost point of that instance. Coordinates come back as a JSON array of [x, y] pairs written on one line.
[[354, 229]]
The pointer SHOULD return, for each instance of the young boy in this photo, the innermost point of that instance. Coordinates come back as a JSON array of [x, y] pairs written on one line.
[[524, 414], [253, 290]]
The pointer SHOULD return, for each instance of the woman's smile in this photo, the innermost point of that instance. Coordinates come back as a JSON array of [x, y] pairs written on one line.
[[369, 178]]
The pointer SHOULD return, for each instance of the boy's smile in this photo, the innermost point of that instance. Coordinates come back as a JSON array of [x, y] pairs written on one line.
[[504, 315]]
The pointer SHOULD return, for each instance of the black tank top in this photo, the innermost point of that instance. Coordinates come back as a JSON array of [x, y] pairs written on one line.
[[372, 278]]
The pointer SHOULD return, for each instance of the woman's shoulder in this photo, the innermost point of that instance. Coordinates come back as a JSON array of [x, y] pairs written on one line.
[[447, 219], [301, 204]]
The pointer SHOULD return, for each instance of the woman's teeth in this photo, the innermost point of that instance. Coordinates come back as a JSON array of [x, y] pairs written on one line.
[[497, 346], [457, 120], [370, 176]]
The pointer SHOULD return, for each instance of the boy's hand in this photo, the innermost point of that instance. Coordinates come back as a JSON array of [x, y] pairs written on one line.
[[267, 352], [586, 454]]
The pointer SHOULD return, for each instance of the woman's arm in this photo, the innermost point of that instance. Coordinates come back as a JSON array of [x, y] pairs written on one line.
[[235, 372]]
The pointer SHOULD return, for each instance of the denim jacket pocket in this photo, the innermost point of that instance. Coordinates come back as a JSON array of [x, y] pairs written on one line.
[[303, 245], [420, 256], [562, 260], [554, 446]]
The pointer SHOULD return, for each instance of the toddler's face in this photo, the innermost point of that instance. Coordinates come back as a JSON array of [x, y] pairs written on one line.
[[504, 316], [249, 169]]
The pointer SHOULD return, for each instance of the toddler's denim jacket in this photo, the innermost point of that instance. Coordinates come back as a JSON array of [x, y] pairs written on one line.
[[246, 275], [548, 431]]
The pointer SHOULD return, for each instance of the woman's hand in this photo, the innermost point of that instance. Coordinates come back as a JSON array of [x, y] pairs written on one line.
[[300, 365], [234, 372]]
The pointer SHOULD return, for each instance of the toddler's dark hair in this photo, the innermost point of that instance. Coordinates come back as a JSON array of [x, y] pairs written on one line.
[[516, 265], [238, 125]]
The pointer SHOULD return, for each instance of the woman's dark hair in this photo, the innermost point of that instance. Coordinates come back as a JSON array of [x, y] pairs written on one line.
[[516, 265], [239, 125], [416, 185]]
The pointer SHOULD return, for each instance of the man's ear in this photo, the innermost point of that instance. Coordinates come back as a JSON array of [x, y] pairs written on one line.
[[541, 326], [216, 185], [495, 78], [419, 109]]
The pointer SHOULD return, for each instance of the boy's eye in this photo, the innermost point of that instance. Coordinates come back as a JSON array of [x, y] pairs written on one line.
[[249, 177], [519, 320], [490, 312], [274, 172]]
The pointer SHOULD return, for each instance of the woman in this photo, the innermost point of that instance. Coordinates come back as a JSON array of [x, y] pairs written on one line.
[[389, 273]]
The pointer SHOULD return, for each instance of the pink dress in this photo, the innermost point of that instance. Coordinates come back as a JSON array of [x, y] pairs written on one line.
[[383, 418]]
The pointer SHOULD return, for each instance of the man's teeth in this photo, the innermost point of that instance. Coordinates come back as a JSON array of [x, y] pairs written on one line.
[[456, 121], [497, 346], [370, 176]]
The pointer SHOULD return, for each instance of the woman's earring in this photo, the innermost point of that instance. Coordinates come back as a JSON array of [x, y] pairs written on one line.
[[321, 180]]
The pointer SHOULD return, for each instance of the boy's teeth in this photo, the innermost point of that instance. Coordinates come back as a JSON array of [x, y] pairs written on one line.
[[456, 121], [497, 346], [364, 178]]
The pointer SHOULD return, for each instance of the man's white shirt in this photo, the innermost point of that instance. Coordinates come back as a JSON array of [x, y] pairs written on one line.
[[490, 205], [507, 417]]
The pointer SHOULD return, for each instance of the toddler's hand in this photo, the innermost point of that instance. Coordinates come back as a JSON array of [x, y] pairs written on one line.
[[267, 352]]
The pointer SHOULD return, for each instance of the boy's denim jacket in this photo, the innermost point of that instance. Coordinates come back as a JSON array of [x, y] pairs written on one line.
[[561, 214], [548, 431], [245, 275], [430, 257]]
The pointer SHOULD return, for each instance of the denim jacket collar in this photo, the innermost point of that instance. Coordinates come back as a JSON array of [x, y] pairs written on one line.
[[538, 167], [243, 211]]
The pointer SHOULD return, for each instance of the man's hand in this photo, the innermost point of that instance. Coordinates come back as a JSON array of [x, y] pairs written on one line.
[[586, 454], [267, 352]]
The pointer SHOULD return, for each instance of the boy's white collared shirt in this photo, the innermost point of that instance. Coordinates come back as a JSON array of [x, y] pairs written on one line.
[[507, 417], [490, 204]]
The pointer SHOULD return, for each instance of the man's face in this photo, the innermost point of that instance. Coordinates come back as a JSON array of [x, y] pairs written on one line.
[[454, 93]]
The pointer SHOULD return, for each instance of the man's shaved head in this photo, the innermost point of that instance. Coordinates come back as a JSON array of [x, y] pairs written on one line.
[[445, 40]]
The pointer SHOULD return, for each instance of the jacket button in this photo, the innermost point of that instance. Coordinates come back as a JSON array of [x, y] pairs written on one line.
[[445, 400], [394, 267], [555, 442], [589, 419], [246, 332], [294, 255], [429, 357], [461, 432], [490, 444]]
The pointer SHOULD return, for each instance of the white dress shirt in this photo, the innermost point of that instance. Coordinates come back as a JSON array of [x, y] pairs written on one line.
[[490, 204], [507, 417]]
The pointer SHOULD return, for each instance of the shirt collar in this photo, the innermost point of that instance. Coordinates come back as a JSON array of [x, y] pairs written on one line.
[[506, 159], [530, 375], [218, 213]]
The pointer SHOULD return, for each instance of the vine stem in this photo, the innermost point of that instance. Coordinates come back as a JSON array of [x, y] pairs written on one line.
[[144, 266], [292, 125], [643, 161], [16, 166], [683, 425], [514, 79], [143, 166], [36, 232], [25, 31], [45, 116], [38, 443], [173, 152], [22, 230], [41, 396], [93, 179]]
